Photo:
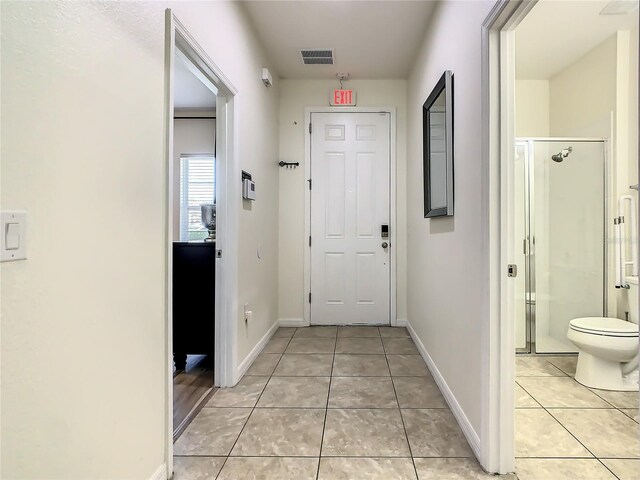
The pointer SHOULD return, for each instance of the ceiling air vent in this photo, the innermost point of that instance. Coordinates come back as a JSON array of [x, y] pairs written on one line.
[[317, 57], [619, 7]]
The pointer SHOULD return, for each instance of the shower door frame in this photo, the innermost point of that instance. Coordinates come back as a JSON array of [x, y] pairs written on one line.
[[530, 273]]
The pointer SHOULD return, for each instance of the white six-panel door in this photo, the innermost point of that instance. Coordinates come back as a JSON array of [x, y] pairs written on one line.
[[350, 267]]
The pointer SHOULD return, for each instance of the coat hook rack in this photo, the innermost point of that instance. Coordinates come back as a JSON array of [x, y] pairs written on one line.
[[288, 164]]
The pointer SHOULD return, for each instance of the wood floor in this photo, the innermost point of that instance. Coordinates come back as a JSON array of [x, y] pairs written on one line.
[[190, 388]]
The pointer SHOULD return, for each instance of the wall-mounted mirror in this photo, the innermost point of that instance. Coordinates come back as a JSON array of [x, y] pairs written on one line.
[[437, 131]]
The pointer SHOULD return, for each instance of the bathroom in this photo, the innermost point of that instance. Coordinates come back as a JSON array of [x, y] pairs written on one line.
[[576, 201]]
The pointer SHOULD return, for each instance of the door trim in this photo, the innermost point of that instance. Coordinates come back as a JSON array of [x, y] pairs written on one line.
[[498, 147], [178, 39], [393, 317]]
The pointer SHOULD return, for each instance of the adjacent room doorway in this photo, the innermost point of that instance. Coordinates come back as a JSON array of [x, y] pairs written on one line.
[[214, 185]]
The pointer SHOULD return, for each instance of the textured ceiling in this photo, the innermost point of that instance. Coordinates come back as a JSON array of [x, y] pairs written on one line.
[[371, 39], [556, 33]]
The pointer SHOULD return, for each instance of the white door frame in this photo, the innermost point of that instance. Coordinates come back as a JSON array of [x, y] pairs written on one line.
[[179, 40], [498, 111], [392, 200]]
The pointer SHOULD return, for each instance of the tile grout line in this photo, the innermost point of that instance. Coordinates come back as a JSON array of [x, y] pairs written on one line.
[[612, 406], [560, 423], [392, 456], [610, 403], [577, 440], [563, 426], [404, 427], [532, 397], [569, 431], [326, 410], [605, 466], [564, 408], [625, 413], [254, 406], [353, 408], [572, 377], [272, 375], [576, 458], [384, 456]]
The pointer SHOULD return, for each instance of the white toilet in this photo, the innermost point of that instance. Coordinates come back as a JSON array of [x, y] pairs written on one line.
[[608, 347]]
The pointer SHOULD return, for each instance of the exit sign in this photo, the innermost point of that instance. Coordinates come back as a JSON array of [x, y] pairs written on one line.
[[343, 97]]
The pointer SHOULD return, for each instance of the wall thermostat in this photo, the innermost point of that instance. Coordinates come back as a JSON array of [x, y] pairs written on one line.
[[248, 189]]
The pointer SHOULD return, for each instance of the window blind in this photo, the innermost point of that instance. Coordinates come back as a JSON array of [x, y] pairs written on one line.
[[197, 186]]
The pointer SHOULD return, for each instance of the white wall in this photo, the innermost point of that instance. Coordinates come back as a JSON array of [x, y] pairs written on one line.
[[445, 275], [633, 103], [189, 136], [632, 159], [295, 96], [583, 95], [532, 108], [83, 319]]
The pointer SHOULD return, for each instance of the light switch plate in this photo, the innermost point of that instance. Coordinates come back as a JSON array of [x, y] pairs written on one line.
[[13, 236]]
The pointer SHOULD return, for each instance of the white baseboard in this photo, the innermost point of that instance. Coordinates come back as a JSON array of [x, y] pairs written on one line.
[[401, 322], [246, 363], [292, 322], [465, 425], [160, 473]]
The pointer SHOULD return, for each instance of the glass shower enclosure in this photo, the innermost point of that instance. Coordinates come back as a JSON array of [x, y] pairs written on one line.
[[561, 227]]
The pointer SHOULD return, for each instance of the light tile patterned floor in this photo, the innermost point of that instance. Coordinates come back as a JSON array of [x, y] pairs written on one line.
[[329, 403], [567, 431], [358, 403]]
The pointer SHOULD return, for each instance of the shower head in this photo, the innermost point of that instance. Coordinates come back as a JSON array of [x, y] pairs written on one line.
[[560, 156]]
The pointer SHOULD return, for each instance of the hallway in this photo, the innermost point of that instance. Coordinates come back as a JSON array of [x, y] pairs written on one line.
[[361, 159], [329, 403]]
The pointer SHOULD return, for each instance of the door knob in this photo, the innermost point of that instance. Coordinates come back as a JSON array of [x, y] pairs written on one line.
[[385, 244]]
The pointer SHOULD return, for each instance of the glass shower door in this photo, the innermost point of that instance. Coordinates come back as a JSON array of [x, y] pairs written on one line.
[[567, 238]]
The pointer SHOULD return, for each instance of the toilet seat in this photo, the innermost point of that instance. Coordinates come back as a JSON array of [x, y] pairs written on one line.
[[605, 326]]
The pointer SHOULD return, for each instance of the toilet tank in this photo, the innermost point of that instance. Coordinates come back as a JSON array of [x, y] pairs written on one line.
[[632, 281]]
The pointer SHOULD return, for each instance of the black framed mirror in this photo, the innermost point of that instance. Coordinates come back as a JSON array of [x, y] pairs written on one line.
[[437, 137]]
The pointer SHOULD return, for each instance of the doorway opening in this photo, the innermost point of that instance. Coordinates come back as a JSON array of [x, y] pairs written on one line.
[[552, 102], [201, 217], [193, 242], [350, 260]]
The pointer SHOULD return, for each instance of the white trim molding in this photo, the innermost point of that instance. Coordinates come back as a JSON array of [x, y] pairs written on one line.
[[401, 322], [160, 473], [393, 199], [465, 425], [497, 454], [248, 361], [293, 322], [178, 39]]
